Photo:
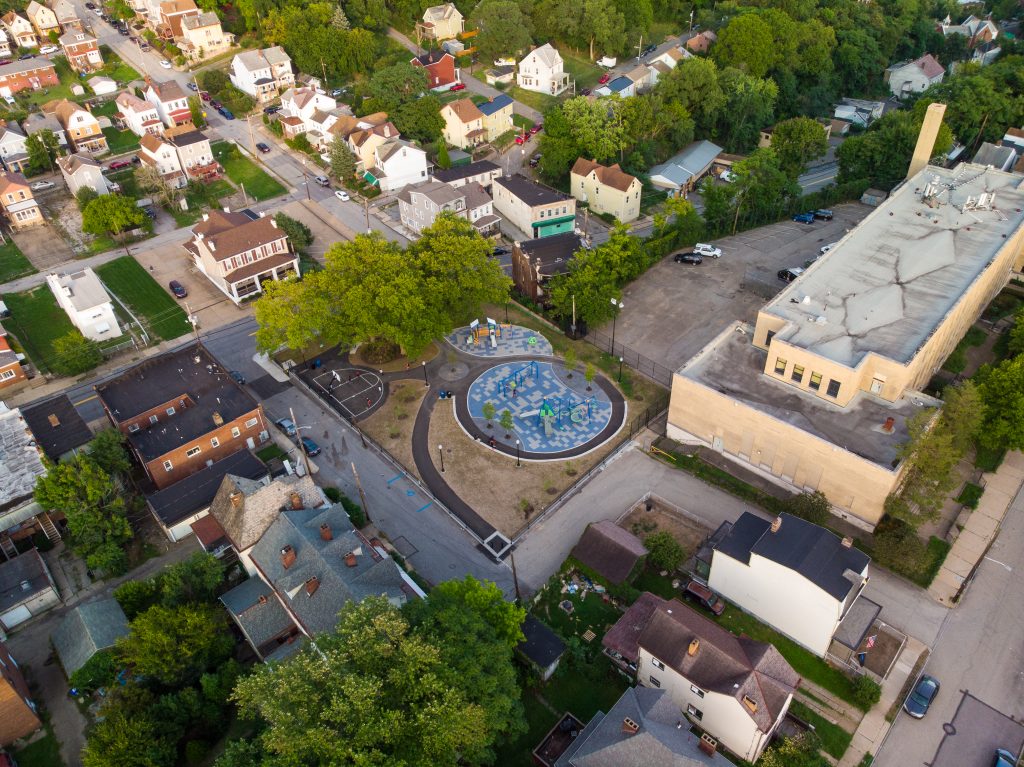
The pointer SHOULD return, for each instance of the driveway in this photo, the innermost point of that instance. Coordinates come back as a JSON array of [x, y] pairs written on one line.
[[674, 310], [44, 247]]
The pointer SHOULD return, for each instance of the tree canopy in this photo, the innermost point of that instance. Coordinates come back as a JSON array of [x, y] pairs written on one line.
[[112, 214]]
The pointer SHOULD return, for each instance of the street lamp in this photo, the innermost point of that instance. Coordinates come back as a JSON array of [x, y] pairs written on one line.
[[620, 369], [517, 454], [424, 366], [440, 451], [618, 307]]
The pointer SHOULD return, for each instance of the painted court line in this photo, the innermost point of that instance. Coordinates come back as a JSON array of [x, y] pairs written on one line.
[[424, 507]]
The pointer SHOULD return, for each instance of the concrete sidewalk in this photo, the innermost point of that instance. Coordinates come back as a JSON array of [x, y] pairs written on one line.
[[980, 530]]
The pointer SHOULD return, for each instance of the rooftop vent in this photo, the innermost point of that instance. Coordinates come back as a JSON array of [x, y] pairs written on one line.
[[887, 427], [263, 599], [287, 557], [694, 647], [54, 420], [218, 419], [776, 524], [847, 542], [630, 727]]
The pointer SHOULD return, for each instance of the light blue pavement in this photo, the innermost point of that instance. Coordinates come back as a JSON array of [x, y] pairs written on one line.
[[509, 341]]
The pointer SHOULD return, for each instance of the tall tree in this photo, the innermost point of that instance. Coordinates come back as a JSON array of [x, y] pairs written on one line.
[[747, 44], [796, 142], [107, 450], [882, 153], [398, 84], [421, 119], [299, 235], [75, 354], [42, 147], [931, 458], [343, 161], [749, 106], [503, 29], [294, 314], [694, 84], [602, 26], [1002, 392], [112, 214]]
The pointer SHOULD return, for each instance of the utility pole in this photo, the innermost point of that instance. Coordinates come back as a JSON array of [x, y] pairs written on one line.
[[362, 495], [366, 211], [193, 320], [324, 70], [515, 576], [252, 139], [640, 48], [302, 446], [244, 195]]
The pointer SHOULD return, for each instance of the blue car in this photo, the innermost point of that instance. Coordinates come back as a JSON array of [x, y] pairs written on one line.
[[804, 218], [310, 446], [921, 697], [226, 113], [1004, 758]]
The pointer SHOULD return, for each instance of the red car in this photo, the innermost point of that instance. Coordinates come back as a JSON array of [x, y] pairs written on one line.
[[605, 78], [118, 164], [458, 87], [204, 95], [536, 129], [522, 138]]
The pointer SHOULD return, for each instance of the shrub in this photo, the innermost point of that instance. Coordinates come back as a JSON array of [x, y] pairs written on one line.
[[99, 671], [136, 596], [866, 692], [334, 495], [196, 751], [354, 511], [814, 507], [664, 552], [381, 350]]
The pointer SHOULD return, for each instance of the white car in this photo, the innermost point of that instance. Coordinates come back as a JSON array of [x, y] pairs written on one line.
[[48, 49], [708, 251], [165, 63], [727, 176], [826, 248], [342, 195], [39, 186]]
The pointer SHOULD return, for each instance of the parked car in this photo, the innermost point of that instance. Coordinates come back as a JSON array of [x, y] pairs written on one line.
[[788, 275], [536, 129], [192, 86], [323, 181], [648, 50], [804, 218], [826, 248], [522, 138], [824, 214], [458, 87], [605, 78], [264, 148], [26, 57], [123, 31], [48, 49], [727, 176], [585, 91], [338, 92], [342, 195], [91, 6], [500, 251], [704, 595], [204, 96], [921, 697], [310, 446], [118, 164], [226, 113], [40, 186], [144, 47], [273, 109], [237, 377], [165, 63], [215, 104], [177, 289], [535, 160], [1004, 759], [706, 250], [287, 426], [688, 258]]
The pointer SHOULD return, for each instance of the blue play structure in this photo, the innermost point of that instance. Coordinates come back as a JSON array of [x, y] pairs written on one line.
[[515, 379], [555, 408]]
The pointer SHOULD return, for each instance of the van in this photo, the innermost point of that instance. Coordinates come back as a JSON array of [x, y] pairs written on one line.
[[323, 181]]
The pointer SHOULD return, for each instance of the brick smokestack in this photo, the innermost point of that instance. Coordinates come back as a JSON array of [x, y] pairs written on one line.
[[926, 139]]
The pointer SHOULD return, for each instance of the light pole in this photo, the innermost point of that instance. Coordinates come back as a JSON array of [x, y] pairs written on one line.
[[424, 366], [305, 178], [620, 369], [440, 452], [517, 454], [618, 307], [302, 445]]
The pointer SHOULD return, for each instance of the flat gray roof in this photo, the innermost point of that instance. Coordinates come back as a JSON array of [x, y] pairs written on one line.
[[889, 283]]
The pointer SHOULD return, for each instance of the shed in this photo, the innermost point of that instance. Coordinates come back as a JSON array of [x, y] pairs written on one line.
[[86, 630], [102, 86], [542, 647], [873, 197], [610, 551]]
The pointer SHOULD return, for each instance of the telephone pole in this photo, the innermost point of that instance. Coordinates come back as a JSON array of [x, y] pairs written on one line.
[[362, 495], [302, 446]]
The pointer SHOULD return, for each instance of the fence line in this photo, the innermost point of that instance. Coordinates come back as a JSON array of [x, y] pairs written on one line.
[[641, 364]]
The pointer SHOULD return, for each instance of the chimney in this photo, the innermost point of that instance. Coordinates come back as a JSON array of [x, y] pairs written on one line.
[[296, 501], [263, 599], [218, 419], [325, 532], [694, 647], [887, 427], [236, 500], [926, 139], [708, 744], [263, 214], [273, 222], [847, 542], [227, 209], [629, 727], [53, 419], [312, 585], [287, 557], [350, 559], [776, 524], [206, 217]]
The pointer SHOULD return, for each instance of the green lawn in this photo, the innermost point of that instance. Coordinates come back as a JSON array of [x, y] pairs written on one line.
[[650, 580], [45, 752], [521, 122], [834, 739], [243, 171], [37, 322], [593, 613], [585, 691], [119, 72], [583, 71], [106, 109], [121, 141], [539, 101], [271, 452], [154, 306], [202, 197], [13, 263]]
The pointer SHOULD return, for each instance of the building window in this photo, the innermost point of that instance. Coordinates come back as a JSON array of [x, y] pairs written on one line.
[[250, 423], [815, 381], [132, 428], [214, 442], [695, 712], [657, 664], [153, 419], [193, 451], [168, 465], [696, 691], [780, 366], [170, 411], [833, 388], [7, 375], [798, 373], [654, 681]]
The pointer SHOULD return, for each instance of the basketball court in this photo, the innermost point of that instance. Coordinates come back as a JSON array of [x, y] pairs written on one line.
[[355, 391]]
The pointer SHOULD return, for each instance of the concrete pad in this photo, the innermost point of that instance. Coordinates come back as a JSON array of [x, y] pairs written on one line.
[[1013, 460], [982, 525], [1008, 484]]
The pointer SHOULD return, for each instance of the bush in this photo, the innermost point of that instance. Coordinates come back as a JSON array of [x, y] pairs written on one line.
[[866, 692], [99, 671], [334, 495], [354, 511], [381, 350], [664, 552], [898, 548], [196, 751], [814, 507], [136, 596]]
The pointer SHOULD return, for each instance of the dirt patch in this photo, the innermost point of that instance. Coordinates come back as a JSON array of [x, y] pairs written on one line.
[[391, 426], [506, 496], [688, 534], [43, 246], [397, 365]]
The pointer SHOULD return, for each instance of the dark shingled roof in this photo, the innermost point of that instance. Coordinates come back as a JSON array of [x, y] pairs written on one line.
[[86, 630], [609, 550], [464, 171], [193, 493], [24, 568], [70, 432], [528, 191], [260, 620], [541, 645], [554, 253], [811, 550]]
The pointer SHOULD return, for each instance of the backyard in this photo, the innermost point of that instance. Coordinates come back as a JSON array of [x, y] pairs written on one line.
[[246, 173], [37, 322], [13, 263], [121, 141], [161, 314]]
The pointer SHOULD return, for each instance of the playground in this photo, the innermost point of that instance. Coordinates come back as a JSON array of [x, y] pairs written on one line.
[[548, 412], [489, 338], [355, 391]]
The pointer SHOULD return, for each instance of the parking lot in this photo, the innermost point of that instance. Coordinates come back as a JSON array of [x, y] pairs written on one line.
[[673, 310]]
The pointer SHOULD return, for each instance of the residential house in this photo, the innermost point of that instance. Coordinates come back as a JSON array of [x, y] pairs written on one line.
[[171, 15], [83, 172], [641, 728], [610, 551], [999, 157], [735, 689], [19, 31], [137, 115], [911, 77], [43, 19], [170, 100], [67, 16], [605, 189], [543, 70], [441, 22], [397, 163], [85, 300], [364, 136], [306, 110], [505, 74], [86, 630], [180, 411], [1014, 137], [12, 375], [669, 55], [643, 77], [497, 116], [482, 172], [26, 589], [859, 111], [178, 507], [80, 126], [534, 209], [37, 122], [440, 67], [102, 86], [57, 427], [202, 37], [195, 155], [682, 172], [81, 50], [420, 205], [262, 618], [978, 31], [238, 253], [263, 73], [463, 124], [799, 578], [21, 464], [541, 647], [31, 73], [13, 147], [535, 262], [5, 44], [19, 205], [701, 42], [17, 710], [154, 152]]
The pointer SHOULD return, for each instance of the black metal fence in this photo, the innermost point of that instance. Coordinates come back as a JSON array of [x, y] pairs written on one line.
[[633, 358], [654, 417]]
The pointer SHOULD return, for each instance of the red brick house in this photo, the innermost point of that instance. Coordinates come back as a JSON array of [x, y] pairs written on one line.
[[32, 73], [11, 373], [440, 66], [17, 711], [81, 50]]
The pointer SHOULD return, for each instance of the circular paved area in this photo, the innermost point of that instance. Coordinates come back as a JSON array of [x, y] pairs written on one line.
[[551, 413], [509, 341]]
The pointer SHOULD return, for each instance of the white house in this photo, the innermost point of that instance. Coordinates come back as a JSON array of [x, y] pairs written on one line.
[[171, 102], [307, 111], [5, 44], [84, 299], [799, 578], [735, 689], [263, 73], [138, 116], [81, 171], [13, 147], [396, 164], [19, 31], [102, 86], [910, 77], [859, 111], [420, 205], [542, 70], [160, 155]]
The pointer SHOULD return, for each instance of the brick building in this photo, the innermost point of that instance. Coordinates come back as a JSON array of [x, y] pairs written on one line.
[[440, 66], [31, 73], [18, 716]]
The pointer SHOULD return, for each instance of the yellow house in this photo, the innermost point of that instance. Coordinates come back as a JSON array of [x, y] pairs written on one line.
[[202, 37], [817, 394], [497, 115], [463, 124], [606, 189], [441, 22], [42, 18]]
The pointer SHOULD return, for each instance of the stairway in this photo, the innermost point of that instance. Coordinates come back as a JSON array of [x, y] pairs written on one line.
[[49, 528], [7, 546]]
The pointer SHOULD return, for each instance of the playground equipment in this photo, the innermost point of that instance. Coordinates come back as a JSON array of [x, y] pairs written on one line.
[[492, 332], [514, 380], [576, 411]]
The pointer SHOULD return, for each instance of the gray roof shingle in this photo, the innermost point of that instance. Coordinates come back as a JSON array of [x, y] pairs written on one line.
[[257, 611], [86, 630], [609, 550]]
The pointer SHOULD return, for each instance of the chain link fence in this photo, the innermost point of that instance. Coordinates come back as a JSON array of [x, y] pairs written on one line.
[[641, 364]]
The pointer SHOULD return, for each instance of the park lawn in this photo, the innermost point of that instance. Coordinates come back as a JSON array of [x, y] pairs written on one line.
[[542, 102], [154, 306], [37, 322], [244, 171], [120, 141], [120, 72], [583, 71], [13, 263]]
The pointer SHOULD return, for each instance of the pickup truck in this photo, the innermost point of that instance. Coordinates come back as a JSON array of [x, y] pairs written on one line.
[[704, 595]]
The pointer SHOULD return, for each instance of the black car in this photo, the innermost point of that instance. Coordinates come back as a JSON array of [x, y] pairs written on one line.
[[535, 161], [788, 275], [273, 109], [178, 289], [123, 31], [585, 91], [823, 214], [237, 377], [215, 104], [262, 147], [499, 251], [921, 697], [688, 258], [649, 50], [26, 57], [91, 6]]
